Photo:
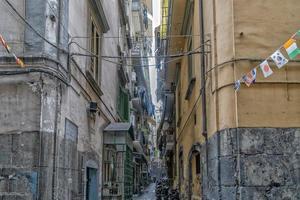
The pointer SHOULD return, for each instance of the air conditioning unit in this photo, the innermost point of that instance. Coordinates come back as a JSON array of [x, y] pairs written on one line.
[[133, 76]]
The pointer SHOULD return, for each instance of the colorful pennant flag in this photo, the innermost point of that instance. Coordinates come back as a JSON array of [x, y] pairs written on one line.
[[250, 77], [266, 69], [253, 72], [237, 85], [279, 59], [18, 61], [4, 44], [292, 48]]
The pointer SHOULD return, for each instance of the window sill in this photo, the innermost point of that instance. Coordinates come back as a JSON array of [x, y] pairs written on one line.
[[190, 88], [93, 83]]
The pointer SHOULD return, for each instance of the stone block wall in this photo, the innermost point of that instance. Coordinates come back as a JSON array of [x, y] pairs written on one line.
[[252, 164]]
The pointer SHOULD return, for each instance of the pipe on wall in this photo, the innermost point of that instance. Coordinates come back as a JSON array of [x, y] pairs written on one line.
[[203, 80], [203, 70], [55, 138]]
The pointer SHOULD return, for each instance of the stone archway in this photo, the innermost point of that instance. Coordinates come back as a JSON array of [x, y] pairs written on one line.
[[196, 149]]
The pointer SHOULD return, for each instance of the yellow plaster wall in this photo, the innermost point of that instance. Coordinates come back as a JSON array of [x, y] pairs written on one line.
[[272, 102], [240, 29]]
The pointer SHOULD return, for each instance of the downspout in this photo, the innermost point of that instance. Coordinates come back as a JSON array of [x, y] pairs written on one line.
[[56, 108], [203, 71], [203, 82], [58, 28]]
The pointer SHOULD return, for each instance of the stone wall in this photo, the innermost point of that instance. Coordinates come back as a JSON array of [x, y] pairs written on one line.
[[32, 118], [252, 163]]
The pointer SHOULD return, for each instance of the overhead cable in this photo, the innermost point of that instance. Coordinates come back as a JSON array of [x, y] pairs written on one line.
[[139, 57], [33, 29]]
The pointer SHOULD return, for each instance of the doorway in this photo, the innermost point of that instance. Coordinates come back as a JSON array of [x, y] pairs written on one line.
[[91, 184]]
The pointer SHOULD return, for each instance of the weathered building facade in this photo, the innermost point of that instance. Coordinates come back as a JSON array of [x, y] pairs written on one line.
[[54, 111], [226, 144]]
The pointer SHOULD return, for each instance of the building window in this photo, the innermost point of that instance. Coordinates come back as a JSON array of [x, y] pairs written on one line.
[[109, 164], [190, 44], [181, 167], [95, 49], [190, 60], [123, 104], [198, 164], [178, 97]]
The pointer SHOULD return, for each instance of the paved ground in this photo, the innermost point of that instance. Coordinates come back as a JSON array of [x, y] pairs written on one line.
[[148, 194]]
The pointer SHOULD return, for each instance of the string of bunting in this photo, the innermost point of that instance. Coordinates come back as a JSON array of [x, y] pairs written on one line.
[[277, 57], [8, 49]]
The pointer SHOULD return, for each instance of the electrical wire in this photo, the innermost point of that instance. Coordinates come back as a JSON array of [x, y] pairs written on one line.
[[28, 24], [240, 60], [31, 70], [133, 37], [32, 28], [137, 57], [117, 37], [46, 40], [145, 57], [166, 62], [169, 61]]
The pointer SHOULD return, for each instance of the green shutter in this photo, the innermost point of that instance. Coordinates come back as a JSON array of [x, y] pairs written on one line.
[[123, 104]]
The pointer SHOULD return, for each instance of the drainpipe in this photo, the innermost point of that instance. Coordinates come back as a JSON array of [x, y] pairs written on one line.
[[58, 28], [203, 81], [54, 172], [203, 71]]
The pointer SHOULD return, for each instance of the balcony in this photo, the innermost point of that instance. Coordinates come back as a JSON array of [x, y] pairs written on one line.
[[170, 142], [136, 49], [137, 104]]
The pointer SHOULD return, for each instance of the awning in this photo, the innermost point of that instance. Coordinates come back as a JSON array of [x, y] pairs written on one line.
[[116, 127]]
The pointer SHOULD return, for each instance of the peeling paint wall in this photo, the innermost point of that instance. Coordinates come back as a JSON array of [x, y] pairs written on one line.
[[47, 136]]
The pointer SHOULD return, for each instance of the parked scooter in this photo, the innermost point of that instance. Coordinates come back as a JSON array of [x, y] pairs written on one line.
[[162, 189], [174, 194]]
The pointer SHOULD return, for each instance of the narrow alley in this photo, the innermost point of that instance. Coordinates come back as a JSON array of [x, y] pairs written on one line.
[[150, 100]]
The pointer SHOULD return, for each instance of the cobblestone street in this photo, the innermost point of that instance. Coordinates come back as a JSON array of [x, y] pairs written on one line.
[[149, 193]]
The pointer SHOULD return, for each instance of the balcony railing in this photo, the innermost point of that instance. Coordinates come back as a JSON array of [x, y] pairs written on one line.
[[169, 142]]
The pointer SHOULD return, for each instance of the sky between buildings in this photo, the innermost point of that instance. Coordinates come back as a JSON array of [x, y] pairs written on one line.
[[152, 70]]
